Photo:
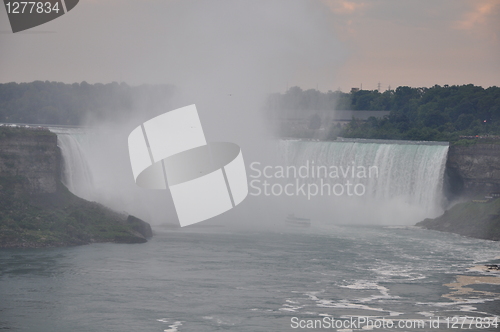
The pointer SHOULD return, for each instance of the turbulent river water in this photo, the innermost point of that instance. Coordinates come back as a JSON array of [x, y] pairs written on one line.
[[215, 279]]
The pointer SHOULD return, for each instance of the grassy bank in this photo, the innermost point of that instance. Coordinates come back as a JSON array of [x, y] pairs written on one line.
[[59, 219], [475, 219]]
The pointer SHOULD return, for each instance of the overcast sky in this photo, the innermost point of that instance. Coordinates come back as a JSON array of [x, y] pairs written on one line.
[[272, 44]]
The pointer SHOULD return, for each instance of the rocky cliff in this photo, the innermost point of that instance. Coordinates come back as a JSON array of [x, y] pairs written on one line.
[[31, 154], [473, 170], [37, 210]]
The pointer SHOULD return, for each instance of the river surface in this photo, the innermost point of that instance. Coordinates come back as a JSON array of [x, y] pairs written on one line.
[[223, 279]]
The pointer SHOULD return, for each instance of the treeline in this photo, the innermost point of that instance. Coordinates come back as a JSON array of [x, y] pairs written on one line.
[[438, 113], [73, 104], [435, 113]]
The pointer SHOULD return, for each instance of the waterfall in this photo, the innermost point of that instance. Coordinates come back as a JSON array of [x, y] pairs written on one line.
[[96, 167], [409, 181], [408, 186], [76, 172]]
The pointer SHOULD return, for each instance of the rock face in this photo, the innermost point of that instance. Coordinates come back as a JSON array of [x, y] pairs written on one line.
[[32, 154], [473, 170], [37, 210]]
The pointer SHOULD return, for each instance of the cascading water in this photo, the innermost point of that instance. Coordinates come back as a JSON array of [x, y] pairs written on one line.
[[76, 172], [96, 167], [408, 186], [409, 175]]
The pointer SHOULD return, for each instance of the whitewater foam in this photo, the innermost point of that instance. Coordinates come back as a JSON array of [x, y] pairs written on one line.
[[409, 185]]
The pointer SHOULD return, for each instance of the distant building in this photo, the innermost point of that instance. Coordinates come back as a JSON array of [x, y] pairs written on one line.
[[316, 123], [327, 116], [346, 116], [353, 90]]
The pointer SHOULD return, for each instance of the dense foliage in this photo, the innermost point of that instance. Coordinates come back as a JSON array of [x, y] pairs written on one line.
[[73, 104], [436, 113]]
